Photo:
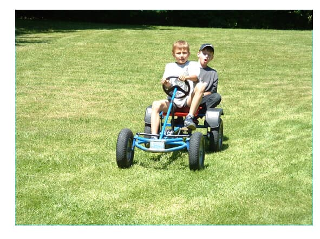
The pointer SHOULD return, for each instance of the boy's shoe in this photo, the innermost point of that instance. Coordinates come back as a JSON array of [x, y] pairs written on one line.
[[188, 122]]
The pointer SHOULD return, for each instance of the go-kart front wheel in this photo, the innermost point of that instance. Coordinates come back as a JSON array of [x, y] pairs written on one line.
[[196, 151], [124, 153]]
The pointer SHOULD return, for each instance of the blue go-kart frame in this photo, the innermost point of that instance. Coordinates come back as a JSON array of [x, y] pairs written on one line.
[[173, 135]]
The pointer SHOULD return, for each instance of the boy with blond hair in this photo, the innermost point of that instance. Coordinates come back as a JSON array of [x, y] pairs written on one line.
[[186, 70]]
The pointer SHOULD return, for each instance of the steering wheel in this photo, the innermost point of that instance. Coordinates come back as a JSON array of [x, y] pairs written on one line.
[[183, 94]]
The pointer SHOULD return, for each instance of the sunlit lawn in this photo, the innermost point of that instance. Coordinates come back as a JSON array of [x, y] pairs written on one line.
[[78, 85]]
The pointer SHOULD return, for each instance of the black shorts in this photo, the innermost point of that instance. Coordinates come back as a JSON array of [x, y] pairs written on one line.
[[211, 101]]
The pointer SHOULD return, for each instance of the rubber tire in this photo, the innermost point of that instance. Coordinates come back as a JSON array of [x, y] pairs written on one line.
[[124, 152], [216, 138], [147, 130], [196, 151]]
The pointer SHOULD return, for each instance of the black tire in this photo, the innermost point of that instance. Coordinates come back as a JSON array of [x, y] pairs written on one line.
[[196, 151], [216, 138], [125, 153], [147, 130]]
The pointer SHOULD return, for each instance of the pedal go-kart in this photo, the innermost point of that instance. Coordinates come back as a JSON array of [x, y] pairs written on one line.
[[173, 135]]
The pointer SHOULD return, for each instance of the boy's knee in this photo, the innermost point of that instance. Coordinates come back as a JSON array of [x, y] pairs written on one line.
[[200, 87], [156, 105]]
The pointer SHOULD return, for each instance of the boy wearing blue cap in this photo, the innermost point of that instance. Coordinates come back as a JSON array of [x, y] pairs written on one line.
[[209, 76], [208, 84]]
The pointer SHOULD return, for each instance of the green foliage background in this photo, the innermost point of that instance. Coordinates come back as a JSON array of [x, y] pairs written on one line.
[[266, 19]]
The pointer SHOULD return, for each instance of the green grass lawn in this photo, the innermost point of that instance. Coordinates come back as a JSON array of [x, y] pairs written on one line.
[[79, 84]]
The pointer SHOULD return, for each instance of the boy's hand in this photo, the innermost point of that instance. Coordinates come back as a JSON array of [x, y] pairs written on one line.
[[182, 78], [165, 82]]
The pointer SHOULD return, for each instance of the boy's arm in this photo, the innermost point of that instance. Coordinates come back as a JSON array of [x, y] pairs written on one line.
[[193, 78], [167, 72], [194, 71]]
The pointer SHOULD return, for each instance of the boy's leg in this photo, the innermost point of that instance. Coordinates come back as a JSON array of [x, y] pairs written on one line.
[[194, 102], [212, 100], [157, 107]]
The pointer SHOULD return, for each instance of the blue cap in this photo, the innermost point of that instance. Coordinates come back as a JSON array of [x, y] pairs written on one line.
[[206, 45]]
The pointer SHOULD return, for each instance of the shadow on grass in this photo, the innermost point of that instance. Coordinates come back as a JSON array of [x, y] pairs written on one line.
[[23, 27], [163, 161], [224, 145]]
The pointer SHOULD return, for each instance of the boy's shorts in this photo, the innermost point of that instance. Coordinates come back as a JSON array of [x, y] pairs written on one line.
[[180, 103], [211, 101], [175, 106]]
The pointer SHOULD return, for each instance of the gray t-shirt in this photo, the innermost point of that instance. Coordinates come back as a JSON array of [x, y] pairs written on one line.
[[209, 76]]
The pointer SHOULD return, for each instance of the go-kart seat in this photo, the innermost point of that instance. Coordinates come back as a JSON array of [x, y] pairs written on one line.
[[182, 112]]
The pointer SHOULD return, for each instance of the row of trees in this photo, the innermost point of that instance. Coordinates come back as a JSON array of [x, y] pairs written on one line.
[[265, 19]]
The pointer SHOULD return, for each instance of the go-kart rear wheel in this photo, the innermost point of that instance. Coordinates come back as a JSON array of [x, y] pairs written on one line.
[[216, 138], [147, 130], [124, 153], [196, 151]]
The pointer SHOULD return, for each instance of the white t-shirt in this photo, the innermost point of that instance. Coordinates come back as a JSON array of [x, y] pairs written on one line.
[[187, 69]]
